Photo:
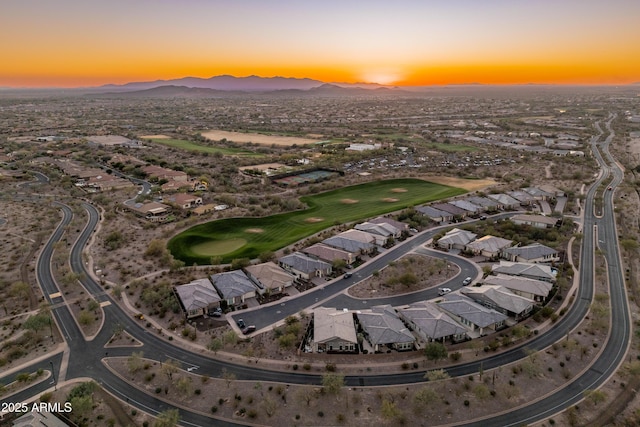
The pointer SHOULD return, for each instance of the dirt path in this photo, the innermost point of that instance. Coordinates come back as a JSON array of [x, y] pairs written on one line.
[[547, 170]]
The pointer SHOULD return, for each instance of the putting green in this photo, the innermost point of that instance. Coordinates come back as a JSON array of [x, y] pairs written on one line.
[[218, 247]]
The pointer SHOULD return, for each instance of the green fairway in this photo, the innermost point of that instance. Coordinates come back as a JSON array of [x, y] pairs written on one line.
[[349, 204], [192, 146]]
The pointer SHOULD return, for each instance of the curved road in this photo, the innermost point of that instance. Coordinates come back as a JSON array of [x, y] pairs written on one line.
[[84, 359]]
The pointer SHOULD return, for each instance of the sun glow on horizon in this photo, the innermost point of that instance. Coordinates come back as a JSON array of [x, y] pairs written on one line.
[[421, 43]]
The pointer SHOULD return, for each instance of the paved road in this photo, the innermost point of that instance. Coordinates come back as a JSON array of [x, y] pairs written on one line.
[[331, 294], [617, 343], [85, 359]]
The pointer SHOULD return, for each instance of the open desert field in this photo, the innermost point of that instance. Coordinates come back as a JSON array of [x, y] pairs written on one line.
[[257, 138], [466, 184]]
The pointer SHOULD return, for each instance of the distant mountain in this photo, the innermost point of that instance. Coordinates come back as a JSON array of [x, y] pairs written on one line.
[[225, 83], [168, 91], [174, 91]]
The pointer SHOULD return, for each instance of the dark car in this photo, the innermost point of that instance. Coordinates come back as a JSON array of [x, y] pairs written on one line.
[[249, 329], [241, 324]]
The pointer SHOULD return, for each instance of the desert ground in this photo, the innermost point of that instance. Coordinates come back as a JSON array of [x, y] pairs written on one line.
[[257, 138]]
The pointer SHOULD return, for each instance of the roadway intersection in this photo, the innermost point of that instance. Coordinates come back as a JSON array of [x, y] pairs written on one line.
[[82, 359]]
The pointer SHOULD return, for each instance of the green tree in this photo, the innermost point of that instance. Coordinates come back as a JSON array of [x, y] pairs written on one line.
[[168, 418], [332, 383], [266, 256], [20, 290], [595, 396], [135, 362], [435, 351], [215, 345], [37, 322], [155, 249], [424, 397], [85, 318], [169, 367]]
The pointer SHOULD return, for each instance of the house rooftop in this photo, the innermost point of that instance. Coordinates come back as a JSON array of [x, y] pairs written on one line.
[[233, 284], [465, 308], [329, 324], [197, 294], [383, 326], [432, 322]]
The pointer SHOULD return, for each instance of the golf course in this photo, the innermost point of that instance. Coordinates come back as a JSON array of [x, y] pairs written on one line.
[[234, 238]]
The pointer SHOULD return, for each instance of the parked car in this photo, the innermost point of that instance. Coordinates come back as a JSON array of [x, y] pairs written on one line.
[[347, 275], [241, 324], [217, 312], [443, 291], [466, 281], [249, 329]]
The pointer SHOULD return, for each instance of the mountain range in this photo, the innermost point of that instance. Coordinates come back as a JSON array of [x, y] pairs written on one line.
[[231, 83]]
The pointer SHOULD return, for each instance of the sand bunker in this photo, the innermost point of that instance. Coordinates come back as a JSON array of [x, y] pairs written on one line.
[[349, 201], [399, 190], [254, 230], [313, 219], [389, 200]]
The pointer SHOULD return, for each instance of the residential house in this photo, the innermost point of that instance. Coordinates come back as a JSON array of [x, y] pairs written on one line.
[[525, 269], [505, 201], [453, 210], [152, 211], [173, 186], [479, 319], [500, 299], [550, 189], [305, 267], [486, 203], [185, 201], [330, 254], [334, 331], [471, 208], [382, 328], [488, 246], [350, 245], [384, 230], [536, 290], [456, 239], [197, 297], [157, 172], [234, 287], [523, 197], [397, 224], [269, 277], [539, 194], [107, 182], [431, 324], [434, 214], [364, 237], [538, 221], [534, 253]]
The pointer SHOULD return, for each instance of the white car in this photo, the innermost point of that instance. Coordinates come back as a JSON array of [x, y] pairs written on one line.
[[466, 281], [443, 291]]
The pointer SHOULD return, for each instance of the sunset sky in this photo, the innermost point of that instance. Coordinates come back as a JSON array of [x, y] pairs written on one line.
[[68, 43]]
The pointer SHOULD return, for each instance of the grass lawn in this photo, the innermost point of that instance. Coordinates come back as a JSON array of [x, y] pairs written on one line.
[[199, 243], [192, 146]]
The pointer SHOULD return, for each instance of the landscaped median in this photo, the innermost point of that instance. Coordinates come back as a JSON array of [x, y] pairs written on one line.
[[235, 238]]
